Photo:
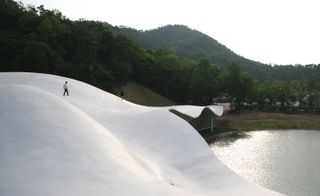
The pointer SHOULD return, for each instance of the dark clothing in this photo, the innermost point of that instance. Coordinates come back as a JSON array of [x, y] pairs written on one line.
[[66, 91]]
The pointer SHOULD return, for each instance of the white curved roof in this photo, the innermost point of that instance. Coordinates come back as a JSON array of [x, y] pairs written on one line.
[[195, 111], [92, 143]]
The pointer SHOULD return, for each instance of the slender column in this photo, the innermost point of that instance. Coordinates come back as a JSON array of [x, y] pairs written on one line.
[[212, 123]]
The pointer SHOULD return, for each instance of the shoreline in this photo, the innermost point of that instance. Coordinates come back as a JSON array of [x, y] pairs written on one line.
[[254, 121]]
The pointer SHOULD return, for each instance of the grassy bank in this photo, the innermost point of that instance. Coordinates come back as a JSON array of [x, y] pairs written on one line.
[[249, 121], [139, 94]]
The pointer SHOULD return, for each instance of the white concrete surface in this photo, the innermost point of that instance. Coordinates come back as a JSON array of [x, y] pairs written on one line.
[[92, 143]]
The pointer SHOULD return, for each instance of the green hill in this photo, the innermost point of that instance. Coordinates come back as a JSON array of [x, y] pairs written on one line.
[[194, 45], [174, 61]]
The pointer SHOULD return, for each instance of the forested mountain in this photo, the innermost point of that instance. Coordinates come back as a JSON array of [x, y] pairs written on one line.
[[181, 64], [39, 40], [183, 41], [194, 45]]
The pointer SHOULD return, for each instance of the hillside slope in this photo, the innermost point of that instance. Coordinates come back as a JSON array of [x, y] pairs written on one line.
[[194, 45], [94, 143], [139, 94]]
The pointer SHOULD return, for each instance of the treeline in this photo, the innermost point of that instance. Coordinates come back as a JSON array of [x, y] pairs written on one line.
[[195, 45], [41, 40]]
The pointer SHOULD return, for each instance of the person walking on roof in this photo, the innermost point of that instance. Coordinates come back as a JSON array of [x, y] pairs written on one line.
[[65, 88]]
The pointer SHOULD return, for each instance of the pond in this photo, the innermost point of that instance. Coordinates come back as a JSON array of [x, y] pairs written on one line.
[[284, 161]]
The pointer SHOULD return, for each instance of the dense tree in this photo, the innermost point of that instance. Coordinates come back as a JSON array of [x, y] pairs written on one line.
[[41, 40], [205, 82], [195, 45], [240, 86]]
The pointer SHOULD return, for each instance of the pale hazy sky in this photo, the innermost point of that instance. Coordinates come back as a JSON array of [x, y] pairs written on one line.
[[269, 31]]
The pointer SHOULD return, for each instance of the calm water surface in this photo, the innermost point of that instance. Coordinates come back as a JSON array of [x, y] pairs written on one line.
[[284, 161]]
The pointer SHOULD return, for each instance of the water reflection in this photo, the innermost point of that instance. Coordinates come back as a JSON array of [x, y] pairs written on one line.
[[284, 161], [226, 139]]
